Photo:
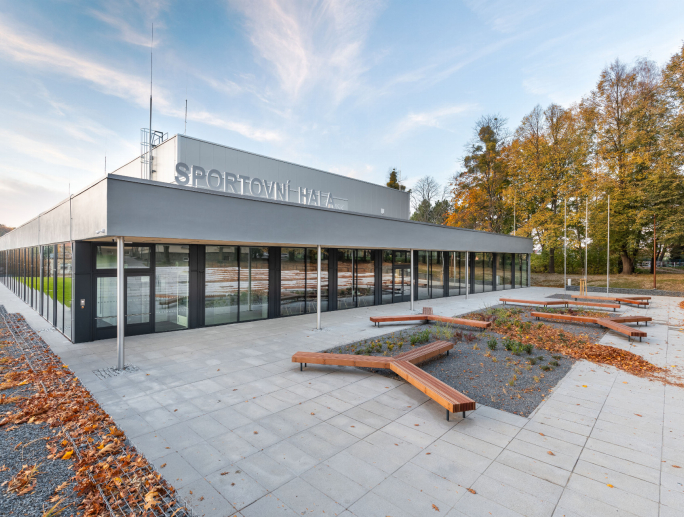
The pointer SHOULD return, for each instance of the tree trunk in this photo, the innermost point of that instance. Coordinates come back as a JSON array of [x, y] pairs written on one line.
[[552, 262], [627, 265]]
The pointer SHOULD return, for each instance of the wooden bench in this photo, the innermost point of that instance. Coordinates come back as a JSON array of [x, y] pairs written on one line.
[[633, 300], [427, 317], [566, 303], [425, 352], [446, 396], [404, 366], [615, 324]]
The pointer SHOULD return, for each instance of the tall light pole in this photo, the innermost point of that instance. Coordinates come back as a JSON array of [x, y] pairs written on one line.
[[586, 244], [608, 251], [654, 251], [565, 244]]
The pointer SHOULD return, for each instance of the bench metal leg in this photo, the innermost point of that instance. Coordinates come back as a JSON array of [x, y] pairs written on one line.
[[300, 367], [447, 352], [447, 415], [464, 414]]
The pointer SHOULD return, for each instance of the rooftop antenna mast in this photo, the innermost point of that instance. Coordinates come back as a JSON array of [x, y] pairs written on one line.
[[149, 172]]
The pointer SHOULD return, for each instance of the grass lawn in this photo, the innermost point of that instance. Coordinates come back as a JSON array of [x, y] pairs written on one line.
[[666, 282]]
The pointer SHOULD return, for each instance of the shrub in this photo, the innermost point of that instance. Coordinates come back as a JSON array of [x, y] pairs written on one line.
[[545, 367], [553, 363], [557, 357], [508, 344], [532, 361], [492, 344], [527, 348]]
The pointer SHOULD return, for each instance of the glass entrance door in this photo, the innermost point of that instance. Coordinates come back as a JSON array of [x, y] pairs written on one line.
[[138, 319], [401, 286]]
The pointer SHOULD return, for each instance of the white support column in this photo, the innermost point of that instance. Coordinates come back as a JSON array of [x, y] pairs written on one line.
[[467, 278], [318, 291], [411, 251], [120, 309]]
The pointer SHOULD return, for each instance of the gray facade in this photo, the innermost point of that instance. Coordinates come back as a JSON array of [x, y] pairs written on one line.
[[305, 185], [198, 257]]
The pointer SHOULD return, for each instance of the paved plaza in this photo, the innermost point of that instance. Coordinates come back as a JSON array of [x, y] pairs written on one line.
[[233, 424]]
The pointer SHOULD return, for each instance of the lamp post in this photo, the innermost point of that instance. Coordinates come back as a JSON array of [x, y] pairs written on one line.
[[608, 252], [654, 251]]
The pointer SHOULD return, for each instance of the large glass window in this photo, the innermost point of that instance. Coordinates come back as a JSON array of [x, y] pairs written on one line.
[[365, 278], [387, 277], [172, 277], [423, 275], [254, 283], [135, 257], [345, 279], [478, 272], [312, 279], [68, 283], [436, 274], [292, 281], [137, 299], [456, 273], [105, 302], [517, 280], [221, 285], [488, 276], [59, 260], [523, 269]]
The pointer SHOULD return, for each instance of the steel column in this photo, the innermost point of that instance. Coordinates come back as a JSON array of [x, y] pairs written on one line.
[[120, 309]]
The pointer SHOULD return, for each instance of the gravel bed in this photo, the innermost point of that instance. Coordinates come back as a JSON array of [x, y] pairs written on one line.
[[496, 378], [26, 445], [622, 290]]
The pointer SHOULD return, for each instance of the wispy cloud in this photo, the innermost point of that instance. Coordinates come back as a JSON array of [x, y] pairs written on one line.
[[308, 43], [126, 32], [434, 118], [504, 16], [35, 52]]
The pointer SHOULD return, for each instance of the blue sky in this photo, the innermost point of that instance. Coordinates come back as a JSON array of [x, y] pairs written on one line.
[[350, 87]]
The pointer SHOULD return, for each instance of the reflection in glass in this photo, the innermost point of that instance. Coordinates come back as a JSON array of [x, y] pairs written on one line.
[[365, 278], [253, 283], [312, 279], [488, 275], [402, 285], [59, 260], [523, 269], [345, 279], [507, 270], [387, 276], [105, 302], [292, 281], [221, 285], [456, 273], [68, 277], [517, 279], [478, 272], [423, 275], [436, 274], [137, 299], [171, 287], [134, 257]]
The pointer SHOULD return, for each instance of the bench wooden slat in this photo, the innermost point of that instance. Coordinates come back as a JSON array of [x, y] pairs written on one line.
[[595, 304], [631, 319], [462, 321], [636, 300], [604, 322], [425, 352], [533, 302], [444, 395], [428, 317], [363, 361]]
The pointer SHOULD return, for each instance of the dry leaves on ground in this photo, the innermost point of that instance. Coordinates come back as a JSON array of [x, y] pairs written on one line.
[[88, 437]]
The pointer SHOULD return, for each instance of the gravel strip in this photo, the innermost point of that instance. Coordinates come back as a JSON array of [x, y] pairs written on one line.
[[26, 445], [496, 378]]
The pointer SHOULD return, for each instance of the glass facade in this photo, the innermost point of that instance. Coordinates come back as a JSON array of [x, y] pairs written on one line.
[[165, 286], [171, 287]]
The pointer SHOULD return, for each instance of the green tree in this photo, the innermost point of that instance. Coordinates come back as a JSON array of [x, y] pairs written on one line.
[[394, 181], [479, 189]]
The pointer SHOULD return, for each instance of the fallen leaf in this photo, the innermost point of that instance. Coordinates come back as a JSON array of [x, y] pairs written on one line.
[[472, 491], [256, 432], [610, 486], [162, 465], [434, 507], [542, 434], [637, 414], [550, 453], [67, 455], [225, 473], [676, 467]]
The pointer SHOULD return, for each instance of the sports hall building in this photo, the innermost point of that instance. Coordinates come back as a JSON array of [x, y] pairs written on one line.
[[195, 234]]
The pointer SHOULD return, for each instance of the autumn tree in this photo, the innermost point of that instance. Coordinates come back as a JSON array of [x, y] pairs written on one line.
[[478, 190], [394, 180], [546, 161], [429, 201]]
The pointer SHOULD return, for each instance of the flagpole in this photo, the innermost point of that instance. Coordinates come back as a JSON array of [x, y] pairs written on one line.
[[565, 245], [586, 244]]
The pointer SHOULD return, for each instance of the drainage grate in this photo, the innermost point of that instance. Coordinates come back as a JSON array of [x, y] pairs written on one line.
[[106, 373]]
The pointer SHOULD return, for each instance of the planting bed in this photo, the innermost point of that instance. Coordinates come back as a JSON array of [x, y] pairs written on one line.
[[489, 367]]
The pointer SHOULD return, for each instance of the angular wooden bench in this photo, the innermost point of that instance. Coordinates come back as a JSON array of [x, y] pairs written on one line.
[[404, 366], [632, 300], [446, 396], [566, 303], [429, 317], [615, 324]]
